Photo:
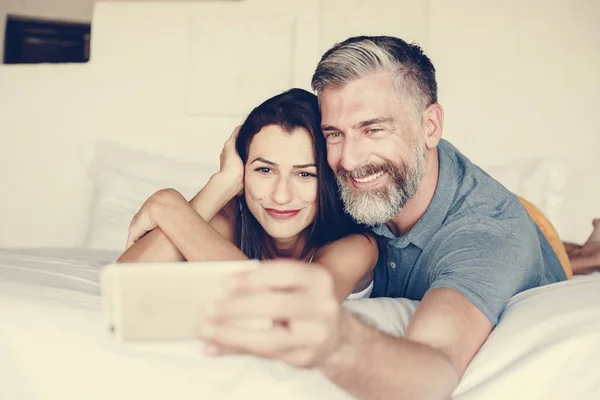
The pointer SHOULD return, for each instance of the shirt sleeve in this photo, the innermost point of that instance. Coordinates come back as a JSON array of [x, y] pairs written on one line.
[[486, 264]]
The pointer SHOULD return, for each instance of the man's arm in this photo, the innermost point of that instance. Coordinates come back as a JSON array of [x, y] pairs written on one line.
[[474, 272], [443, 336]]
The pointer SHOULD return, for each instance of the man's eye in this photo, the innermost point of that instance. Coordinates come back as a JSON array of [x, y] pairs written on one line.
[[333, 135], [373, 130]]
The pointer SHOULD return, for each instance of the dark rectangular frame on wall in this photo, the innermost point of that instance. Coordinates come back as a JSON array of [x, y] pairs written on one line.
[[32, 40]]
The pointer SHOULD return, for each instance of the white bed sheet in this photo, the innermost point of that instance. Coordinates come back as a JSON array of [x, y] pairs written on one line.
[[53, 344]]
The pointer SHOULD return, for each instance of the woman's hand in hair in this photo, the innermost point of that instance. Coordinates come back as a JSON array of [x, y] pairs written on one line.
[[222, 187], [232, 167]]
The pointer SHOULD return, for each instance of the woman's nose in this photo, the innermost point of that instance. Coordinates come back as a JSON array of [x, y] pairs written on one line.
[[283, 191]]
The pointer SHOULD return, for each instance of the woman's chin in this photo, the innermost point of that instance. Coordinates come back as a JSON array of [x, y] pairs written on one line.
[[284, 233]]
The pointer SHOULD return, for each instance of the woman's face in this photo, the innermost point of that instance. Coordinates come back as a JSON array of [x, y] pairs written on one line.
[[280, 181]]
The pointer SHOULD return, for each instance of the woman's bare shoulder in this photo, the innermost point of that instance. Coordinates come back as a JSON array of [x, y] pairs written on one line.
[[352, 247]]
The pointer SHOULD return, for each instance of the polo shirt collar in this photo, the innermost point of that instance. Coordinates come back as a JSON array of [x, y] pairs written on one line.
[[443, 197]]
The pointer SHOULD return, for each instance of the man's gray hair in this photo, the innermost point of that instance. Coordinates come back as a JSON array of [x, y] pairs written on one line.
[[360, 56]]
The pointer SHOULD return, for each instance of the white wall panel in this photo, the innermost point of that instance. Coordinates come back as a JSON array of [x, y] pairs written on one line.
[[517, 79], [231, 69], [522, 79], [340, 19]]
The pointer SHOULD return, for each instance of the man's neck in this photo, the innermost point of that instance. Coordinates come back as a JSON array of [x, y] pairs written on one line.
[[416, 207]]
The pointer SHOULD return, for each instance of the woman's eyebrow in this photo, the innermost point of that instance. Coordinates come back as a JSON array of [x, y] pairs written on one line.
[[275, 164], [305, 165], [265, 161]]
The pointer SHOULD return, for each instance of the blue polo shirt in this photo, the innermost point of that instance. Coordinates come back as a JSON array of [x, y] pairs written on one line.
[[475, 238]]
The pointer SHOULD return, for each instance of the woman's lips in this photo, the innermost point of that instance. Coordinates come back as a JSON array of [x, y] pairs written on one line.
[[281, 214]]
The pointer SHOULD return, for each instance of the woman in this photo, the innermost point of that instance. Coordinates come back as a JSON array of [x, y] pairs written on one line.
[[274, 196]]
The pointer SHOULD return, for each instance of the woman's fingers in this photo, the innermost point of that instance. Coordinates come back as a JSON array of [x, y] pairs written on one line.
[[143, 222], [235, 133], [140, 225], [230, 159]]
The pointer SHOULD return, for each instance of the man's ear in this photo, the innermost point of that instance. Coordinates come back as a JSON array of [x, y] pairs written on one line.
[[432, 124]]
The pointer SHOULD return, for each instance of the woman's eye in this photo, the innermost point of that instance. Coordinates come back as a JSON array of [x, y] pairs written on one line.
[[307, 175], [264, 170]]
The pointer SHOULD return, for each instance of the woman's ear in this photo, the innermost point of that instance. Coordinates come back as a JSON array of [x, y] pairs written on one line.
[[432, 124]]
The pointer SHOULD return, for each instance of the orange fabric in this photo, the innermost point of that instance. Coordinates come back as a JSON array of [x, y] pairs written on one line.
[[551, 234]]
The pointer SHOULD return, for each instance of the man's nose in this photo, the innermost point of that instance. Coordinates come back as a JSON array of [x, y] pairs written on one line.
[[354, 154]]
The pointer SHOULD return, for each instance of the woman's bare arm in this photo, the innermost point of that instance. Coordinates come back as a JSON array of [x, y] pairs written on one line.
[[214, 203], [184, 228], [209, 203]]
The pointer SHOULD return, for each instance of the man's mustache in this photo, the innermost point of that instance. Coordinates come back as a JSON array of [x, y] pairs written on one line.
[[366, 170]]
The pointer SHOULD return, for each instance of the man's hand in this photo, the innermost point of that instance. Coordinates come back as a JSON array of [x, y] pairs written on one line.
[[311, 330], [299, 300]]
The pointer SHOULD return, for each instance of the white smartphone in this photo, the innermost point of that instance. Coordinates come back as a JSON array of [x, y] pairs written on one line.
[[162, 301]]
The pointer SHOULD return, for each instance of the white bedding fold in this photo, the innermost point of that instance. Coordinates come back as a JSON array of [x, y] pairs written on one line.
[[53, 344]]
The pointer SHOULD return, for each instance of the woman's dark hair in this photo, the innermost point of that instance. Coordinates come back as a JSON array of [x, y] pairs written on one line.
[[290, 110]]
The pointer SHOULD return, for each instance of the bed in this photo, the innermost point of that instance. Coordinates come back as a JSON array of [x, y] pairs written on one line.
[[83, 145], [54, 343]]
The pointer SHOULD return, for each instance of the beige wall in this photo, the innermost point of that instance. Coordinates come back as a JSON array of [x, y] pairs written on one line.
[[70, 10], [521, 79], [517, 79], [528, 71]]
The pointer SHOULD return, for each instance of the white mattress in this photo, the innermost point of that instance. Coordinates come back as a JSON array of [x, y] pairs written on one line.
[[53, 344]]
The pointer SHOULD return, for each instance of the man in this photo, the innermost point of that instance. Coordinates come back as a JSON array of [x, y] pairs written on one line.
[[449, 236]]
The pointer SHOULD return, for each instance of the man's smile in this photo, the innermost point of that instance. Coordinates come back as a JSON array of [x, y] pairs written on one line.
[[369, 181]]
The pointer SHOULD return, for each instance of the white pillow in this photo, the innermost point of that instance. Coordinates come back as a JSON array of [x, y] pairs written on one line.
[[539, 180], [123, 179]]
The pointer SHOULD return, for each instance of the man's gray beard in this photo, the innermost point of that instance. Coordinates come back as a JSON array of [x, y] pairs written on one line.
[[378, 206]]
